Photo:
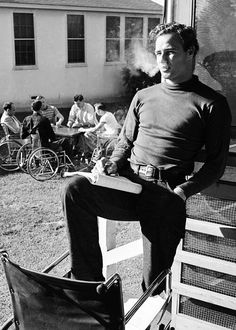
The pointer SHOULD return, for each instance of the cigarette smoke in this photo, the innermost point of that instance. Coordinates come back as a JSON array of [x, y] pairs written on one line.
[[144, 60]]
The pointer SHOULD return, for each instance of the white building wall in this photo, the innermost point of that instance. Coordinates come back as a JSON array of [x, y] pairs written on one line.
[[52, 76]]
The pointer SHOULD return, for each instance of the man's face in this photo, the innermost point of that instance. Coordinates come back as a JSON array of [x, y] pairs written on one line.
[[44, 103], [80, 103], [11, 111], [100, 112], [175, 64]]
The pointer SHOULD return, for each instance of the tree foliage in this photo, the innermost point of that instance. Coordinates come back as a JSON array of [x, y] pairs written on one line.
[[136, 79]]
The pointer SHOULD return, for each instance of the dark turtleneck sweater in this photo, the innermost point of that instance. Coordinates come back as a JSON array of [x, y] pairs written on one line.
[[167, 125]]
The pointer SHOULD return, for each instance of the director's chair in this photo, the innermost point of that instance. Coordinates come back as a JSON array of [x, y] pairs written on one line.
[[42, 302]]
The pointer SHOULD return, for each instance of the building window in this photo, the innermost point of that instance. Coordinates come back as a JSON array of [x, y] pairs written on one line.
[[152, 22], [75, 38], [24, 39], [112, 38], [133, 34], [124, 35]]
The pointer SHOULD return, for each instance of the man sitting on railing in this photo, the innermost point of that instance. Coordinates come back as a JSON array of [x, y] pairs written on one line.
[[37, 123], [167, 125]]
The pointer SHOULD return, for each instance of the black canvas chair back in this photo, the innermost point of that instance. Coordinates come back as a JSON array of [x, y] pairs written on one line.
[[44, 302]]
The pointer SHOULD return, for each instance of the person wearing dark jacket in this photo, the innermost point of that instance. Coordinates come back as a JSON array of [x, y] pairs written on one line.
[[38, 124], [165, 128]]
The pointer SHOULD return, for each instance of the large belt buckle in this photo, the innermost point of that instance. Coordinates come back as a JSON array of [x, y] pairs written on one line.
[[150, 171]]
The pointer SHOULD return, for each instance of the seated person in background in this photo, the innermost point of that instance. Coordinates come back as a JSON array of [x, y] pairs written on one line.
[[9, 119], [81, 114], [37, 122], [107, 126], [105, 130], [50, 112]]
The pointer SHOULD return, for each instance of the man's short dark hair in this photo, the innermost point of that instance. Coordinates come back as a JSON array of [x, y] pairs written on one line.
[[39, 97], [36, 105], [100, 106], [7, 105], [186, 33], [78, 97]]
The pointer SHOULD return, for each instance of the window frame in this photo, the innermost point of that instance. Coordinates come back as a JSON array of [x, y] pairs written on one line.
[[107, 39], [122, 34], [22, 66], [75, 64]]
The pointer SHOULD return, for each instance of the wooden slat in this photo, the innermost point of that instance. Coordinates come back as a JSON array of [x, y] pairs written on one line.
[[211, 297], [184, 322], [199, 260], [145, 314], [210, 228], [124, 252]]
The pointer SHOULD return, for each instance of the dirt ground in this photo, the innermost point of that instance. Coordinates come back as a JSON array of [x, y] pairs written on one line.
[[33, 232]]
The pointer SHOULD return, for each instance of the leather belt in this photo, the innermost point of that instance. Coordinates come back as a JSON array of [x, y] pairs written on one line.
[[159, 174], [149, 171]]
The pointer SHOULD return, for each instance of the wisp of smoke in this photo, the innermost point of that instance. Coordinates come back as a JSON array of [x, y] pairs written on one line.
[[144, 60]]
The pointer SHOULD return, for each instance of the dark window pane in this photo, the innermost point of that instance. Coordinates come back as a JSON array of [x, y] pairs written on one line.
[[24, 52], [76, 51], [152, 22], [113, 27], [112, 50], [133, 27], [75, 26], [23, 25]]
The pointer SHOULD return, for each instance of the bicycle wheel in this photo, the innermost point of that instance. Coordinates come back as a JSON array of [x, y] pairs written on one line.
[[8, 155], [43, 164], [23, 156]]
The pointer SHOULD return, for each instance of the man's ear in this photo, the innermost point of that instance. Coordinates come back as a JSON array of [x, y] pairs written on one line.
[[191, 51]]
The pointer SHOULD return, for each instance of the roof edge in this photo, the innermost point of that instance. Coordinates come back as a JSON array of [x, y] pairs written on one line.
[[78, 8]]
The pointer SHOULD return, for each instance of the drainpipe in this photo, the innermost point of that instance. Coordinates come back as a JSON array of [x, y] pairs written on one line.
[[169, 11]]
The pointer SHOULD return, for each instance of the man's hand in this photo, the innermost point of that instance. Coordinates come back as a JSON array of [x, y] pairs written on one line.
[[58, 124], [105, 166], [81, 130], [77, 125]]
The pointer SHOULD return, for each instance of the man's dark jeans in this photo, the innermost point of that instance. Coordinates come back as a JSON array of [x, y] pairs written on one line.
[[161, 214]]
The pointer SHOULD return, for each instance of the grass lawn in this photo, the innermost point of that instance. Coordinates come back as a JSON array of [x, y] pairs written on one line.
[[32, 230]]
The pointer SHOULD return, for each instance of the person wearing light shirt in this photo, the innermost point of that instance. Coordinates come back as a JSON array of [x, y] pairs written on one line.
[[81, 114], [107, 127], [9, 119]]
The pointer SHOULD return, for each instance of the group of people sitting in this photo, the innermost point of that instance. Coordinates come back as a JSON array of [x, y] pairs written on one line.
[[93, 122]]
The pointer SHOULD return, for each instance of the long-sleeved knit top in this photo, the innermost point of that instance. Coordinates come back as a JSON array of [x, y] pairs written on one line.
[[38, 123], [167, 125]]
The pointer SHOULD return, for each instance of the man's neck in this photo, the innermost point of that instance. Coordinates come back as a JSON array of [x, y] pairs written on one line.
[[178, 81], [37, 113]]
